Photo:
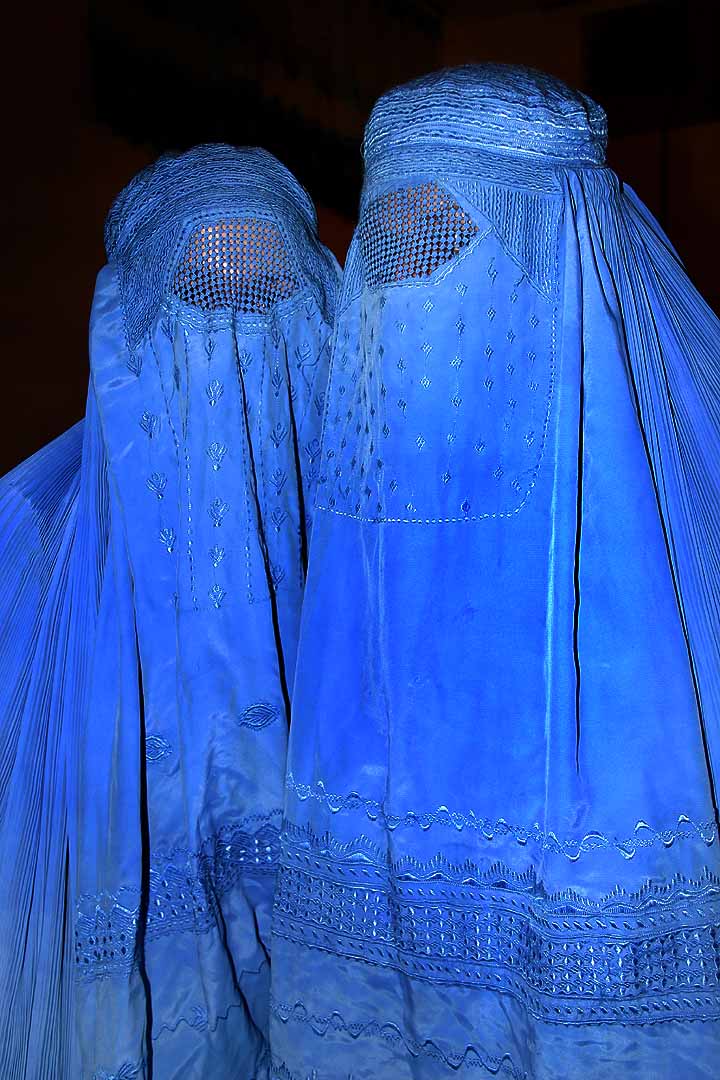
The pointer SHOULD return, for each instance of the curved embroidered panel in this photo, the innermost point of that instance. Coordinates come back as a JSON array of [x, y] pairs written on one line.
[[440, 396], [409, 233], [240, 264], [184, 890], [637, 957], [471, 1056], [572, 847]]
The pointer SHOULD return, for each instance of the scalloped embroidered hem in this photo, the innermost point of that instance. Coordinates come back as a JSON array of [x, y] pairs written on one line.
[[644, 835], [200, 1021], [470, 1057]]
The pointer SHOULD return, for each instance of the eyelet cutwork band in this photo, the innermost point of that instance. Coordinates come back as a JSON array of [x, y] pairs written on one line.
[[632, 956], [185, 889], [240, 264], [409, 233]]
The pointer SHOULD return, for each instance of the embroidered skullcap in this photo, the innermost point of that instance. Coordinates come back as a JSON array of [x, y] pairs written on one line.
[[153, 219], [491, 107]]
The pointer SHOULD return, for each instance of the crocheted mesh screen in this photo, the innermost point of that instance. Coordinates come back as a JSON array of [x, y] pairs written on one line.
[[410, 232], [241, 264]]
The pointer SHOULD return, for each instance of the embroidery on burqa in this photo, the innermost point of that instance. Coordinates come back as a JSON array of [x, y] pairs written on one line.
[[276, 374], [216, 452], [288, 370], [277, 494], [260, 320], [185, 884], [184, 889], [648, 954], [433, 252], [334, 1023], [643, 835], [197, 1019], [206, 528]]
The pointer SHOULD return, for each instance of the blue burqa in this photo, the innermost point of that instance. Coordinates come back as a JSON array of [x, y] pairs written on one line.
[[153, 565], [500, 854]]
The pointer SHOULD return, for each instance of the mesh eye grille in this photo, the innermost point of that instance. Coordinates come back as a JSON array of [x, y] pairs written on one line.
[[411, 232], [241, 264]]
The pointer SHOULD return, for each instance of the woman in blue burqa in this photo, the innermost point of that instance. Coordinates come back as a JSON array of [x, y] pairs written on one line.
[[501, 851], [153, 564]]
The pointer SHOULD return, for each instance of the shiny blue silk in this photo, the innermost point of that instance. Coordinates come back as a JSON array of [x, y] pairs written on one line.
[[176, 577], [500, 854]]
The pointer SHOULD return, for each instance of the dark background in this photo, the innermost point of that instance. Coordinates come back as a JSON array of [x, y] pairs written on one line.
[[95, 93]]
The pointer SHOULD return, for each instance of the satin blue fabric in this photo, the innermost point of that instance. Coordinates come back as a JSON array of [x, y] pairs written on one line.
[[173, 617], [500, 853]]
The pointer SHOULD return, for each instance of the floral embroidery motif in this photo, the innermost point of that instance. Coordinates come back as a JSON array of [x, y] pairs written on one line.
[[150, 423], [258, 716], [214, 391], [278, 479], [217, 594], [156, 748], [217, 511], [216, 452], [167, 539], [277, 574], [157, 484], [278, 434], [278, 517], [217, 554], [244, 359]]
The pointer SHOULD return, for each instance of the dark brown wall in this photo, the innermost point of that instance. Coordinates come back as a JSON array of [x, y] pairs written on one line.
[[83, 118]]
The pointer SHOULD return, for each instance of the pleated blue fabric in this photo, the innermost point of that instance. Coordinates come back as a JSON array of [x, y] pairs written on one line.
[[153, 566], [500, 853]]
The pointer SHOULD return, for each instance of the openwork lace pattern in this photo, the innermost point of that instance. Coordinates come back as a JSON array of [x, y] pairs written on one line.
[[236, 264], [153, 216], [644, 956], [185, 889], [410, 232]]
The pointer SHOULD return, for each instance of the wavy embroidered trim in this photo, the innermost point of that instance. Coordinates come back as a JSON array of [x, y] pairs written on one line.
[[635, 957], [335, 1024], [643, 836], [197, 1019], [185, 887]]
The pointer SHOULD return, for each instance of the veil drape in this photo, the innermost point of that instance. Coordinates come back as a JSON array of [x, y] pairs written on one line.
[[163, 565], [501, 839]]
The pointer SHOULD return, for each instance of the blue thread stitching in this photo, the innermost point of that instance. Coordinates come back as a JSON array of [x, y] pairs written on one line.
[[644, 835], [470, 1057], [635, 957], [185, 886]]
